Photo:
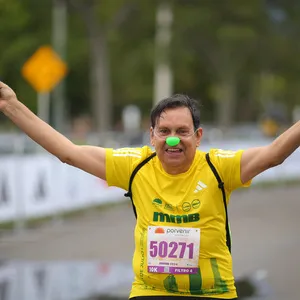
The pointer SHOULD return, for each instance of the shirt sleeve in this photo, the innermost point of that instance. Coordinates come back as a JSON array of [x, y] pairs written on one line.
[[228, 164], [120, 163]]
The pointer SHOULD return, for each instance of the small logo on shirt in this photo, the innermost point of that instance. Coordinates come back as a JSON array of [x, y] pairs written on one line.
[[195, 203], [186, 206], [169, 207], [200, 186], [157, 202]]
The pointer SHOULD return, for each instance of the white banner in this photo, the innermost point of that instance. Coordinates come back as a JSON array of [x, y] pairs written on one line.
[[8, 188], [8, 282], [37, 185]]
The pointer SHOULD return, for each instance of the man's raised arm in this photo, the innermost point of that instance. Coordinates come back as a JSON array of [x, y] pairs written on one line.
[[257, 160], [88, 158]]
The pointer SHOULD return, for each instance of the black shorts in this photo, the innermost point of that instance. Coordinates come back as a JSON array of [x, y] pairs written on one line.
[[176, 298]]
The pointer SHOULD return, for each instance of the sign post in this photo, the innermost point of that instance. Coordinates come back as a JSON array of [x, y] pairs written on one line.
[[43, 105], [44, 70]]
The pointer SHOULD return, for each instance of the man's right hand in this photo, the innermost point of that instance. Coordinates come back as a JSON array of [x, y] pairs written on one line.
[[6, 95]]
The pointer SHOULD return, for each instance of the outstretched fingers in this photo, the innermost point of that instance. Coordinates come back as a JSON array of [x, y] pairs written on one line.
[[2, 84], [6, 92]]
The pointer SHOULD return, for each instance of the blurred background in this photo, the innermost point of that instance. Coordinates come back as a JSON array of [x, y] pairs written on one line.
[[93, 69]]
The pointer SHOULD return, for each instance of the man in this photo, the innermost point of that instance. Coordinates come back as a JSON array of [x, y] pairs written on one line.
[[182, 245]]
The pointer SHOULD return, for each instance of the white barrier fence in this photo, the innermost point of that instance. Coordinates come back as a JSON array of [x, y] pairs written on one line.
[[40, 185], [63, 280]]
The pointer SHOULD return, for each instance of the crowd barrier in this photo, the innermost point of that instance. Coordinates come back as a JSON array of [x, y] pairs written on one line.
[[40, 185], [63, 280]]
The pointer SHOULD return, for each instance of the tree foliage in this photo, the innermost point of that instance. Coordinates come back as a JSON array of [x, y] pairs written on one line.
[[236, 56]]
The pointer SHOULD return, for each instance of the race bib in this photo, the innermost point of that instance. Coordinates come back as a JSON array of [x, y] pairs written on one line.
[[173, 250]]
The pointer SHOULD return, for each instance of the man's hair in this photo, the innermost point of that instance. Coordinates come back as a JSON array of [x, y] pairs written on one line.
[[177, 100]]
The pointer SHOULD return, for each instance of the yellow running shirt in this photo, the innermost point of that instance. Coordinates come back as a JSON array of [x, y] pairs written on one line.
[[180, 236]]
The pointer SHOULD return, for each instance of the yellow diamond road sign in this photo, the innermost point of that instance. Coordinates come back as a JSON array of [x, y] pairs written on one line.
[[44, 69]]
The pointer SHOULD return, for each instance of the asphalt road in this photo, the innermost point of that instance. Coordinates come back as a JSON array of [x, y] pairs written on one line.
[[264, 224]]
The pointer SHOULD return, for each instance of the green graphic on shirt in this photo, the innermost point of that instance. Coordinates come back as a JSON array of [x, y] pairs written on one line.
[[220, 285], [196, 283], [170, 284], [142, 262], [167, 218], [157, 202]]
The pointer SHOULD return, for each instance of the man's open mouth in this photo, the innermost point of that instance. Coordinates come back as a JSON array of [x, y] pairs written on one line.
[[174, 150]]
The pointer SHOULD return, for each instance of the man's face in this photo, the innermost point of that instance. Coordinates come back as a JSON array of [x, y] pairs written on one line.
[[175, 122]]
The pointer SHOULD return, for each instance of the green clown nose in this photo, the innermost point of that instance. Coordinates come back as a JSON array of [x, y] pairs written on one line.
[[172, 141]]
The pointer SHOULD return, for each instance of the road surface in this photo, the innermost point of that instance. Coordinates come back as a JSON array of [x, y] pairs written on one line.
[[264, 223]]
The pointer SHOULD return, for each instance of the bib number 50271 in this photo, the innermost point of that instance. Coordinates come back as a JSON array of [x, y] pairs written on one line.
[[171, 249]]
